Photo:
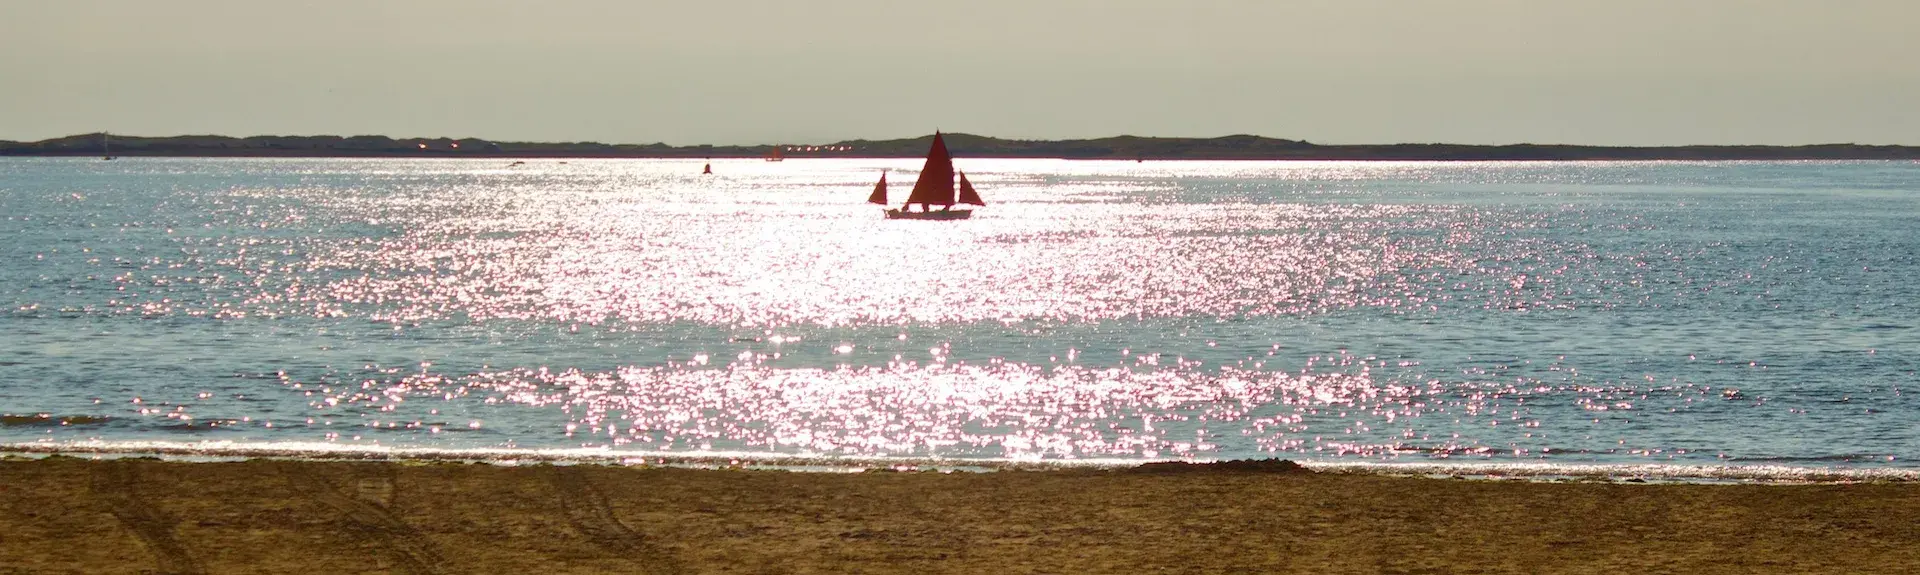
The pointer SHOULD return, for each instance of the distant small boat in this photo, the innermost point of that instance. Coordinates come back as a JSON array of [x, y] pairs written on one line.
[[106, 146], [708, 169], [934, 188], [775, 154]]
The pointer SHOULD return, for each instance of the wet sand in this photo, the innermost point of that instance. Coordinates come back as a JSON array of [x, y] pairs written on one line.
[[70, 515]]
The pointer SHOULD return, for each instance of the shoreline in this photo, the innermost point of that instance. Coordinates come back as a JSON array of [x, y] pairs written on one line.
[[1544, 471], [65, 514], [563, 158]]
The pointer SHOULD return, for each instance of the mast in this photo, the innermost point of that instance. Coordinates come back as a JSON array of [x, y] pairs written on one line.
[[879, 191], [935, 186], [967, 195]]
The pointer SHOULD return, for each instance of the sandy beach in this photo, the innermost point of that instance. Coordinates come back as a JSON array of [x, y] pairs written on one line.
[[73, 515]]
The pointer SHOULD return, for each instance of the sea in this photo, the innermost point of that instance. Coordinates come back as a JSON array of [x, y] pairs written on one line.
[[1740, 320]]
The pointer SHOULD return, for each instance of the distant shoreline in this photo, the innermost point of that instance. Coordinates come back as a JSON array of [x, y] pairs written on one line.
[[1238, 147]]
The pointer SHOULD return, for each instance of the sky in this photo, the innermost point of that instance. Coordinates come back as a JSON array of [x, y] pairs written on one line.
[[1603, 72]]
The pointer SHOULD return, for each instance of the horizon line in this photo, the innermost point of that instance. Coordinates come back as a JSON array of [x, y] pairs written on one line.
[[968, 134]]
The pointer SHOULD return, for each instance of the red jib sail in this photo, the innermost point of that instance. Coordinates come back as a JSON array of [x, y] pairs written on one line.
[[879, 191], [967, 195], [935, 186]]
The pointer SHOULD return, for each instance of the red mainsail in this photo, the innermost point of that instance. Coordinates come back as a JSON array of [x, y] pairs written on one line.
[[935, 186]]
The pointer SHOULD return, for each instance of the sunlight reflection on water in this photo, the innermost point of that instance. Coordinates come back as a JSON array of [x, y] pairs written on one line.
[[767, 254], [1600, 311]]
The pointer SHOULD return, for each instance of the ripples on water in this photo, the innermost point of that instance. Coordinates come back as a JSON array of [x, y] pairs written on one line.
[[1558, 312]]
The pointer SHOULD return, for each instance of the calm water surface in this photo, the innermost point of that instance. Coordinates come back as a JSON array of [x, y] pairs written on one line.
[[1564, 313]]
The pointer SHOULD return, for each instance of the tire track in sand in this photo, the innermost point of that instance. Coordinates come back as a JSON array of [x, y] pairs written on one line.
[[411, 550], [116, 484], [587, 509]]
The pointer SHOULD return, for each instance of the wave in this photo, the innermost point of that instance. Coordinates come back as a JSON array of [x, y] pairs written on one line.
[[49, 420]]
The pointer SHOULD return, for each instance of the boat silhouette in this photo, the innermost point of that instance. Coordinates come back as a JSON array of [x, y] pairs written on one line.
[[935, 187]]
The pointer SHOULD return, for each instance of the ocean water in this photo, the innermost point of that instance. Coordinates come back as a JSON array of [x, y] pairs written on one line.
[[1690, 315]]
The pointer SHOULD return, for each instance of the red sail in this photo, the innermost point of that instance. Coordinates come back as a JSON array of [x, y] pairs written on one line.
[[967, 195], [935, 185], [879, 191]]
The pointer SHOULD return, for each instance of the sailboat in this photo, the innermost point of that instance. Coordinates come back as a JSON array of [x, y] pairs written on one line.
[[934, 188], [106, 147], [775, 155]]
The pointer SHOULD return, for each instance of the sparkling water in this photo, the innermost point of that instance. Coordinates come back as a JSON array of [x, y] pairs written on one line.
[[1682, 314]]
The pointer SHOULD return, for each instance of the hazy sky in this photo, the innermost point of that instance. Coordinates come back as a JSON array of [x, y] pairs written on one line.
[[750, 71]]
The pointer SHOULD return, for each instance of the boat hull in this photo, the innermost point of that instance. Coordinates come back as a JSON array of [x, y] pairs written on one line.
[[933, 215]]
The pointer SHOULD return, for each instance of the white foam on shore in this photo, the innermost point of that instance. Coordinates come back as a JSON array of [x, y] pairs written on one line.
[[206, 450], [322, 451], [1648, 472]]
